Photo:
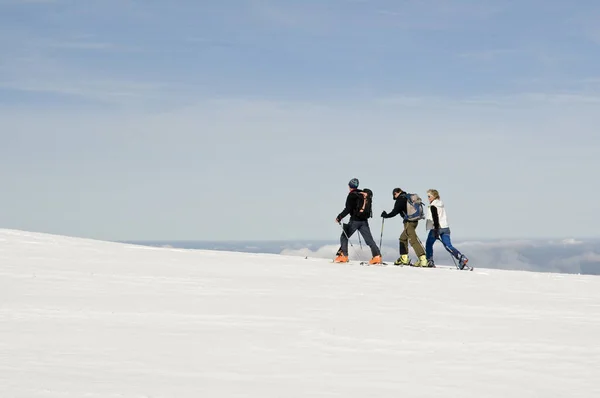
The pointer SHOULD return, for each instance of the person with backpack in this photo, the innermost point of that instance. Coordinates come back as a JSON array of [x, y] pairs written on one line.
[[358, 206], [437, 225], [410, 208]]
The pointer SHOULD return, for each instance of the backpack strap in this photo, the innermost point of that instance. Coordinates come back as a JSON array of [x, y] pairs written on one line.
[[364, 203]]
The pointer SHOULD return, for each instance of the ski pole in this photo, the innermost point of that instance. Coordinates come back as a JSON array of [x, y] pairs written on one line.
[[449, 251], [351, 245], [381, 237]]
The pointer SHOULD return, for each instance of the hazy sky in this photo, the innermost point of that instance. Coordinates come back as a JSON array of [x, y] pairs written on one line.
[[246, 119]]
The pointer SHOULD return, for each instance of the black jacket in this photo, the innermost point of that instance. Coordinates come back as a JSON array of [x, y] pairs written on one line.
[[351, 205], [399, 207]]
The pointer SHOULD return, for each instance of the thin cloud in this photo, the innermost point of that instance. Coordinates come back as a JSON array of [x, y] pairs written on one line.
[[489, 55], [208, 42], [83, 45], [437, 14], [104, 90], [561, 98], [329, 18], [9, 2], [509, 100], [37, 65], [571, 241], [587, 25]]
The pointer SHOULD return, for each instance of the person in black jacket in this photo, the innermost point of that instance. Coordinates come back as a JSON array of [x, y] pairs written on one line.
[[408, 234], [359, 221]]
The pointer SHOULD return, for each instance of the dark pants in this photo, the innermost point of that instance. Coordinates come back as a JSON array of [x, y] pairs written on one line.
[[363, 228], [410, 233], [445, 237]]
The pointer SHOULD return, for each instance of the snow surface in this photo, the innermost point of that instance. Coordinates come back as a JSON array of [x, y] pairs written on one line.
[[83, 318]]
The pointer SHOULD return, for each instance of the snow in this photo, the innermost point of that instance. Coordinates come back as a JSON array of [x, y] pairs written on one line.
[[84, 318]]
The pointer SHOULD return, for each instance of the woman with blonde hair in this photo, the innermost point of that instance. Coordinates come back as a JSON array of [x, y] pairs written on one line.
[[437, 225]]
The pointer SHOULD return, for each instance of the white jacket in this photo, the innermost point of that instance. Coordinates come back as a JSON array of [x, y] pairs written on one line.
[[441, 211]]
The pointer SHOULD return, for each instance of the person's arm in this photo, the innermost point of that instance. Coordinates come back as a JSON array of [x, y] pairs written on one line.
[[399, 208], [350, 204], [436, 218]]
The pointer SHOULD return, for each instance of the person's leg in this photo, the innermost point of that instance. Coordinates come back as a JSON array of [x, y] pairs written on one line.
[[445, 237], [344, 242], [429, 244], [365, 231], [403, 259], [348, 231], [404, 241], [411, 230]]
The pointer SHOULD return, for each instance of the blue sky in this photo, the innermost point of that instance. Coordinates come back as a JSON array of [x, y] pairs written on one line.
[[246, 119]]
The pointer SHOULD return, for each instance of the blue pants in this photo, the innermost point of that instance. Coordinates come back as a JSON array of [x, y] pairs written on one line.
[[445, 237]]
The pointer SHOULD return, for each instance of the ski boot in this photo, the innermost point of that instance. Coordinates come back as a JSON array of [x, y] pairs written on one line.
[[422, 262], [430, 263], [462, 261], [341, 259], [403, 260], [375, 260]]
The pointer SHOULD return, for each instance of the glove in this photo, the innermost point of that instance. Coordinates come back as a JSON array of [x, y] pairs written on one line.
[[436, 233], [337, 220], [384, 214]]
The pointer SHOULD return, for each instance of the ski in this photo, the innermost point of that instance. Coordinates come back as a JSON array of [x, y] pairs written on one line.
[[383, 264], [453, 268], [465, 267], [367, 263]]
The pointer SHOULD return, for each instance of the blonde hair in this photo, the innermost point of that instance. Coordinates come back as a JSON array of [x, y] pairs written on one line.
[[434, 193]]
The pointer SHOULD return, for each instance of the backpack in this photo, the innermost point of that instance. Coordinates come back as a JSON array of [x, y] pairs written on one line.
[[364, 204], [415, 209]]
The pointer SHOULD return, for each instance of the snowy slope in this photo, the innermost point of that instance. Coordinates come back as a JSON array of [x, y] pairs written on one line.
[[83, 318]]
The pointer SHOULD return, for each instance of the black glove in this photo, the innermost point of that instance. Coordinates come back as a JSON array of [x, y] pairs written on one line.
[[384, 214], [436, 233]]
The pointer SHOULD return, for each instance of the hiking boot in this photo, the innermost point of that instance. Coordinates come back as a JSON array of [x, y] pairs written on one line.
[[341, 259], [375, 260], [430, 263], [402, 260], [462, 261]]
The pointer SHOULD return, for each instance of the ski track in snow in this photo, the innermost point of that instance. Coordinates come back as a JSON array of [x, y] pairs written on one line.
[[85, 318]]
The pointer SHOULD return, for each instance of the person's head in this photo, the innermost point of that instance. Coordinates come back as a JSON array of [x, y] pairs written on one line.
[[353, 184], [396, 192], [433, 194]]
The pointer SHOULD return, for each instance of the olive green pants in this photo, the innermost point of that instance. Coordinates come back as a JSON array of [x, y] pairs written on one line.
[[410, 234]]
